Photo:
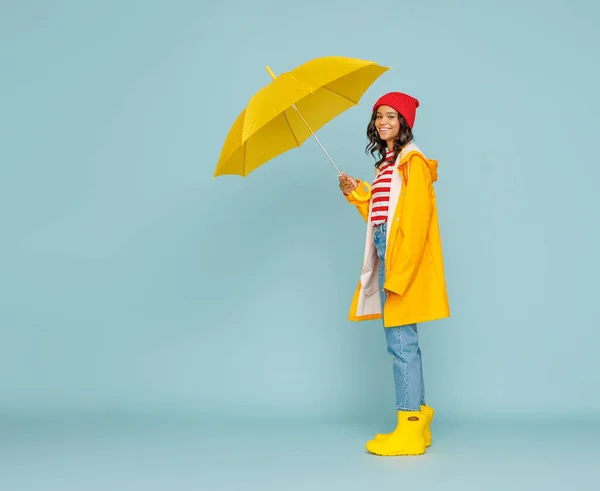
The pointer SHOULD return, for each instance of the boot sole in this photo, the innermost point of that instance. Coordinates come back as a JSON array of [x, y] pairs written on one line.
[[396, 454]]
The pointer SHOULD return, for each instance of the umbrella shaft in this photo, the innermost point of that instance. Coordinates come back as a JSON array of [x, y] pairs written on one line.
[[315, 137], [309, 128]]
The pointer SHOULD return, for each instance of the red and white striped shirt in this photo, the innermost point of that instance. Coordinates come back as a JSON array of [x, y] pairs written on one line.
[[380, 190]]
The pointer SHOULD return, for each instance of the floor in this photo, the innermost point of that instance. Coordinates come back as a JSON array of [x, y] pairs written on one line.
[[169, 452]]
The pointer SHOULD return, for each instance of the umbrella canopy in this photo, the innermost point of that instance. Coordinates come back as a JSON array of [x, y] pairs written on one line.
[[283, 114]]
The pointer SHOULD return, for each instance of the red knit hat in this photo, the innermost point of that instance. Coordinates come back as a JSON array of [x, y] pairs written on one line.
[[403, 103]]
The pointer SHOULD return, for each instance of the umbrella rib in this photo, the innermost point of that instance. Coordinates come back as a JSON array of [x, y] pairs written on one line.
[[290, 127], [337, 93]]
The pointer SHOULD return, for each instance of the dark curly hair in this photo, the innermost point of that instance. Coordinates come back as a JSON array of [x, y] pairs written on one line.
[[377, 147]]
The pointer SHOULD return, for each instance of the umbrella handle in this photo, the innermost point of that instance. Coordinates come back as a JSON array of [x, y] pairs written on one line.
[[358, 197]]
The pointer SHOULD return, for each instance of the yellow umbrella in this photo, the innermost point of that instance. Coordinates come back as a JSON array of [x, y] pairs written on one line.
[[283, 114]]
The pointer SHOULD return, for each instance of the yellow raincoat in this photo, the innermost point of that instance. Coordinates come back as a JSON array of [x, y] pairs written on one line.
[[414, 265]]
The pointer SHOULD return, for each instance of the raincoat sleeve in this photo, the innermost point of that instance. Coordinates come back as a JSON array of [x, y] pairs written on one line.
[[417, 209], [362, 206]]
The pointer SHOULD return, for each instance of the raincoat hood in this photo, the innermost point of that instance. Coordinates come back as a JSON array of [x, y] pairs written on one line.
[[433, 167], [405, 155]]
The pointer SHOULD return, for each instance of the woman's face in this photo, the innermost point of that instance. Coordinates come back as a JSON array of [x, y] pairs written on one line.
[[387, 124]]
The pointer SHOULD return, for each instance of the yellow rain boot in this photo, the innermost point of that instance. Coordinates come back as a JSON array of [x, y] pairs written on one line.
[[428, 411], [407, 439]]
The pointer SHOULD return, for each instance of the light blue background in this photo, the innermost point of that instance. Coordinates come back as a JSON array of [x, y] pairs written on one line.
[[163, 330], [130, 280]]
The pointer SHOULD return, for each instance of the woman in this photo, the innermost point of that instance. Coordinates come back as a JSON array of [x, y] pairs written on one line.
[[402, 279]]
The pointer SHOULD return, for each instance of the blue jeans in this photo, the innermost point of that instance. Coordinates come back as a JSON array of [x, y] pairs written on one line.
[[402, 344]]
